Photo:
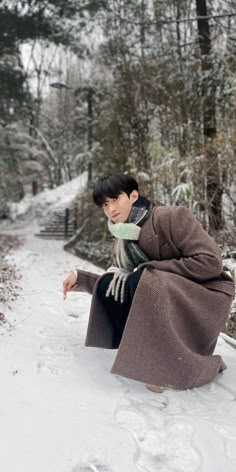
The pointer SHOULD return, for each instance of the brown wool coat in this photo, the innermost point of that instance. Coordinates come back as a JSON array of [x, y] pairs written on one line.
[[180, 305]]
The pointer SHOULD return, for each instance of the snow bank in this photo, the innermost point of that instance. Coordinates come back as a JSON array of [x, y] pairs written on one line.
[[47, 202]]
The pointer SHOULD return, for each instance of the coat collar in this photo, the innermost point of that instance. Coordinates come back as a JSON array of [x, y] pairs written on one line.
[[149, 241]]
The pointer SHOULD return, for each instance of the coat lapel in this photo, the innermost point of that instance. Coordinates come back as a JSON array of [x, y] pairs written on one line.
[[149, 241]]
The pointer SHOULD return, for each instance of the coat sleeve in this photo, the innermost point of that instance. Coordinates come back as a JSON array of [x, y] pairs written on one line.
[[200, 256], [85, 281]]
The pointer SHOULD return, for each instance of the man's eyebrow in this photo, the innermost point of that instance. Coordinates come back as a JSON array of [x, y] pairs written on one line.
[[106, 200]]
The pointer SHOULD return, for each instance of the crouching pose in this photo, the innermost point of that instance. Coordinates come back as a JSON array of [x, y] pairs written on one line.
[[166, 298]]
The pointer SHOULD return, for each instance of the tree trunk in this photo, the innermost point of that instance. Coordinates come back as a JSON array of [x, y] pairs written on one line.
[[90, 130], [214, 187]]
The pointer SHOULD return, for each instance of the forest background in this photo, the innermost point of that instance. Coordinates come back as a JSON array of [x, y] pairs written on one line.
[[146, 87]]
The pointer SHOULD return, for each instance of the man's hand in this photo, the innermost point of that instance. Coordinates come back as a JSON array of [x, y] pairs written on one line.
[[69, 283]]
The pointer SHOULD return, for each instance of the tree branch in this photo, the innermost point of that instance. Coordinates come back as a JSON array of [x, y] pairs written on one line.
[[176, 20]]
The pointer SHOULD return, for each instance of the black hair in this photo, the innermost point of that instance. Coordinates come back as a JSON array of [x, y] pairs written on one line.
[[111, 186]]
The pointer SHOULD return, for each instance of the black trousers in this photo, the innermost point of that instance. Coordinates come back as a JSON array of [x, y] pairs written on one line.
[[118, 312]]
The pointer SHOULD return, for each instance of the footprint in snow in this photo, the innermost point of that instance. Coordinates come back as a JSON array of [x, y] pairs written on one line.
[[55, 348], [46, 333], [93, 467], [73, 315], [163, 443], [50, 309], [45, 365]]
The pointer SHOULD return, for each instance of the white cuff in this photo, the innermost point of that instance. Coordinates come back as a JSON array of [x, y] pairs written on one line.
[[75, 272]]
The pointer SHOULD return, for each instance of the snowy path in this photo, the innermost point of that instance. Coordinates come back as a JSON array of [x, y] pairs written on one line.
[[62, 411]]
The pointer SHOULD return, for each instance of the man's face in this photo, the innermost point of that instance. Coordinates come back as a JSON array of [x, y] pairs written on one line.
[[118, 209]]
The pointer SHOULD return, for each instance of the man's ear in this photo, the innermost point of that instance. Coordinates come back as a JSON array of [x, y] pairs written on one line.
[[134, 196]]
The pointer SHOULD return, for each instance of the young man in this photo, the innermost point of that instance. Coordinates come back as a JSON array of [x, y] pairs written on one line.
[[166, 297]]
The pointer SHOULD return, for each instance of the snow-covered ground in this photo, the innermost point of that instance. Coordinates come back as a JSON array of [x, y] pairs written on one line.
[[62, 411]]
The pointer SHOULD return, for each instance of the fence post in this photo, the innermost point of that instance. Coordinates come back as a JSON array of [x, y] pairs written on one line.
[[75, 217], [67, 212]]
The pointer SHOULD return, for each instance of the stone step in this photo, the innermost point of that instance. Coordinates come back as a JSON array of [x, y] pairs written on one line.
[[55, 228], [60, 225], [49, 231], [61, 220], [59, 233], [50, 236]]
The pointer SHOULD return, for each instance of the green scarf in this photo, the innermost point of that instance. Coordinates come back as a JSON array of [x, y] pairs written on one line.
[[128, 254]]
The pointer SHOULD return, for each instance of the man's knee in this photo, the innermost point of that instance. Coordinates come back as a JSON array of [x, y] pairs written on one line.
[[133, 280]]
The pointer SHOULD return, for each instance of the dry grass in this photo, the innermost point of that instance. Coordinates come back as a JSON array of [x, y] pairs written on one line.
[[9, 278], [230, 327]]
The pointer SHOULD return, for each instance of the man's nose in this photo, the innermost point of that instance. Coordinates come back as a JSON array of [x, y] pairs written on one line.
[[112, 207]]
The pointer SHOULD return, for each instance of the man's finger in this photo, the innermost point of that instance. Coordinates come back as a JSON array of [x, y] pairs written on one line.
[[64, 288]]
